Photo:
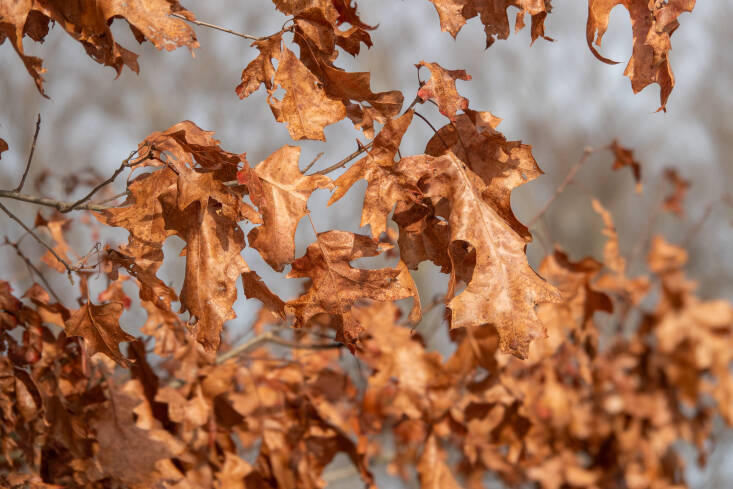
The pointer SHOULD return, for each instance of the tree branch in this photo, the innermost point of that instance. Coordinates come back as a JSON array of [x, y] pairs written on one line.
[[218, 28], [33, 268], [81, 204], [362, 149], [567, 181], [271, 337], [341, 163], [30, 155], [15, 218], [59, 205]]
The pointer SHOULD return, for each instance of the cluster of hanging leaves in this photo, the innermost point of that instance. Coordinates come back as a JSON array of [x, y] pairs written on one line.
[[574, 375], [89, 23]]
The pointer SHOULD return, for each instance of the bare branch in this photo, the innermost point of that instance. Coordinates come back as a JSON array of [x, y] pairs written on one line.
[[15, 218], [310, 165], [218, 28], [30, 155], [81, 204], [125, 164], [271, 337], [361, 149], [567, 181], [33, 268], [59, 205], [336, 166]]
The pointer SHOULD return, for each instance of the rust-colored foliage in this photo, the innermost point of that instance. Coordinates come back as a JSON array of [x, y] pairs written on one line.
[[652, 23], [89, 24], [576, 375]]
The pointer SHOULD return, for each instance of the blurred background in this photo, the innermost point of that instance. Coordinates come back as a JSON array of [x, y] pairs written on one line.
[[553, 95]]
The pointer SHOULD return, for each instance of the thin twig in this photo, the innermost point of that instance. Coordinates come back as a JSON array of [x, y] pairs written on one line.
[[114, 197], [361, 149], [33, 269], [643, 239], [125, 164], [698, 225], [15, 218], [336, 166], [568, 180], [433, 128], [81, 204], [218, 28], [30, 155], [270, 337], [310, 165], [57, 204]]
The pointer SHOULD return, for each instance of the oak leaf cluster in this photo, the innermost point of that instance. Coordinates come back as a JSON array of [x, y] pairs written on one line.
[[576, 374]]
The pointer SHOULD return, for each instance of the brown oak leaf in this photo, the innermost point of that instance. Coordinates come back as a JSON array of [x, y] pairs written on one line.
[[260, 70], [99, 325], [494, 16], [305, 107], [653, 24], [625, 157], [674, 202], [336, 285], [502, 289], [280, 191], [188, 197], [383, 188], [442, 89], [148, 20]]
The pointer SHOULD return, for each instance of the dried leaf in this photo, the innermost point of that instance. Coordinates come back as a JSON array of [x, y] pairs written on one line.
[[502, 289], [433, 471], [653, 24], [442, 89], [280, 192], [148, 20], [377, 168], [625, 157], [305, 107], [494, 16], [336, 285], [674, 202], [99, 325]]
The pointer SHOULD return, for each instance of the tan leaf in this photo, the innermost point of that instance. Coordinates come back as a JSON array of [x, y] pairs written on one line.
[[433, 471], [148, 20], [280, 191], [635, 289], [653, 24], [503, 289], [383, 188], [305, 107], [99, 325], [57, 226], [442, 89], [336, 285]]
